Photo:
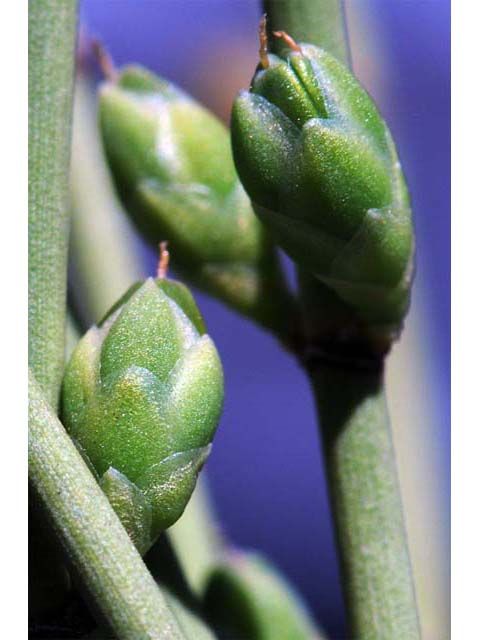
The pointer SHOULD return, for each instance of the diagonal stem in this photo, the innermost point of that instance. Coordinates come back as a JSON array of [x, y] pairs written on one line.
[[96, 542]]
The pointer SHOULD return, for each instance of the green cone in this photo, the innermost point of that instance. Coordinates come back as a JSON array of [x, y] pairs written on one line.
[[142, 396], [322, 171], [172, 164]]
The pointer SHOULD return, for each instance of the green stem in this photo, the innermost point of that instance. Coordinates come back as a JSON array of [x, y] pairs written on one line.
[[94, 539], [319, 22], [361, 467], [51, 44], [366, 503]]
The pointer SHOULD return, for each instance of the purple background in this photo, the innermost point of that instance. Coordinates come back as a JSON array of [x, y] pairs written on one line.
[[266, 470]]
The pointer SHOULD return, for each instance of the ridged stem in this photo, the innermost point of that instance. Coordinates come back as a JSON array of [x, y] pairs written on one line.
[[366, 503], [95, 541], [51, 44]]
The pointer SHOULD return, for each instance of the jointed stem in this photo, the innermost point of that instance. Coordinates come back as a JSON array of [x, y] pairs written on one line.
[[355, 427], [94, 539]]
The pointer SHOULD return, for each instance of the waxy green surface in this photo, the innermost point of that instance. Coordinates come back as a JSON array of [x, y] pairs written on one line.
[[142, 396], [320, 166], [246, 597], [172, 164]]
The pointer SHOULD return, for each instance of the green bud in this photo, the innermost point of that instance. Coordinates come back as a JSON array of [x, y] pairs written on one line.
[[247, 598], [172, 164], [322, 171], [142, 396]]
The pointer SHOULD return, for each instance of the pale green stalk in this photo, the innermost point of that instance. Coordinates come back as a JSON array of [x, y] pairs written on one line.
[[95, 541], [366, 502], [51, 44], [196, 538], [104, 255], [355, 427]]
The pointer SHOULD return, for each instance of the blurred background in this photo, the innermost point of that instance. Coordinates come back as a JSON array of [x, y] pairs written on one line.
[[266, 471]]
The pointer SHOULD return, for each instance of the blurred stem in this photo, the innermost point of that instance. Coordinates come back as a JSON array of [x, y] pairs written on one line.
[[105, 263], [196, 538], [105, 258], [319, 22], [51, 43], [94, 539], [361, 467], [72, 336]]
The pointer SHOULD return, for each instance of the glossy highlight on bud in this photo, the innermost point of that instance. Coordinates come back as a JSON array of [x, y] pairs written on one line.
[[142, 396], [321, 169]]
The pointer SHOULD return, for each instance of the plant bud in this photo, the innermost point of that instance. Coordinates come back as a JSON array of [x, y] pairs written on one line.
[[247, 598], [142, 396], [172, 164], [322, 171]]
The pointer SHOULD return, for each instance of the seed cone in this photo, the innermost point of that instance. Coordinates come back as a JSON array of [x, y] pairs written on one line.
[[322, 171], [142, 396]]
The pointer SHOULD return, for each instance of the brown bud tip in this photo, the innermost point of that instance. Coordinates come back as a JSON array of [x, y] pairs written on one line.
[[104, 61], [163, 261], [289, 41], [263, 51]]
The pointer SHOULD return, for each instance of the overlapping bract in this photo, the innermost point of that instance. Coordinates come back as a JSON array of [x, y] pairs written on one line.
[[320, 166], [142, 396], [172, 164]]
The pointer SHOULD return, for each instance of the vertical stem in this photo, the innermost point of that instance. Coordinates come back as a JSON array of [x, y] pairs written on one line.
[[361, 467], [319, 22], [366, 503], [94, 539], [104, 256], [51, 44]]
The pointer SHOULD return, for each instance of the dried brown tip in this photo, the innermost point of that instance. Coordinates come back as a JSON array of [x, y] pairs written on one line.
[[105, 61], [289, 41], [163, 261], [262, 34]]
